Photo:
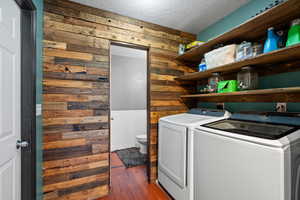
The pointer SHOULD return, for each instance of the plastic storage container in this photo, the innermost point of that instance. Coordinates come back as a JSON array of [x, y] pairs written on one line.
[[247, 79], [294, 33], [213, 82], [257, 49], [220, 56], [244, 51]]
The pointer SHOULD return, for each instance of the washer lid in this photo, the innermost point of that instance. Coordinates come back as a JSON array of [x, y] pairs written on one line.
[[186, 119], [255, 129]]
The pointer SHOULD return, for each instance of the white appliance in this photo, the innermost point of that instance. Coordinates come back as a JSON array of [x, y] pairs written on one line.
[[248, 157], [175, 166]]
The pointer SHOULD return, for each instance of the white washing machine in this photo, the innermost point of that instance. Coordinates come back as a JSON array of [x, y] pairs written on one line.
[[175, 151], [248, 157]]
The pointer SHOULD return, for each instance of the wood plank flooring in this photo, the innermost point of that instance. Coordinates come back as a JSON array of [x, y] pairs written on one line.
[[131, 183]]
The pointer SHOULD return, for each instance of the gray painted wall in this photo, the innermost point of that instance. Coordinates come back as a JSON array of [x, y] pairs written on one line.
[[128, 81]]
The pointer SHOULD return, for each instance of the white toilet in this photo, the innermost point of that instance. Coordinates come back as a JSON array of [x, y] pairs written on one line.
[[142, 143]]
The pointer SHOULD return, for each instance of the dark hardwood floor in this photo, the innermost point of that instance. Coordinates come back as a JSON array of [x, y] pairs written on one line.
[[131, 183]]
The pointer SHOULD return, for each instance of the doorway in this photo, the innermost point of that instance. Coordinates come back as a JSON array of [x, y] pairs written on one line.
[[128, 109]]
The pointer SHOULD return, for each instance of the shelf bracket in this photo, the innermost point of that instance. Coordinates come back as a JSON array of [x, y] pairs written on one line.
[[220, 106]]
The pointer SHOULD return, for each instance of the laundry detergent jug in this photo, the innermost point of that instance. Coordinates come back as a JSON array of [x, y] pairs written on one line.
[[271, 43], [294, 33]]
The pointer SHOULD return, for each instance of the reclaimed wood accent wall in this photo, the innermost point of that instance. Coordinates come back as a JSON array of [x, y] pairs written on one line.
[[76, 93]]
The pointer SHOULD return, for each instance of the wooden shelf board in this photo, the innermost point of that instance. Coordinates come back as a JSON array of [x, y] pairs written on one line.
[[279, 16], [291, 94], [279, 56]]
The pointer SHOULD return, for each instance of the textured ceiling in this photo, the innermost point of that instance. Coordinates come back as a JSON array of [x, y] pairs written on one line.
[[188, 15]]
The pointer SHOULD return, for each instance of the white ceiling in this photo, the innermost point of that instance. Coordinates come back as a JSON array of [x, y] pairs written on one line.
[[187, 15]]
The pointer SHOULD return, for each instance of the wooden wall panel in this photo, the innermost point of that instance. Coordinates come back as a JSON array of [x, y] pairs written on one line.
[[76, 93]]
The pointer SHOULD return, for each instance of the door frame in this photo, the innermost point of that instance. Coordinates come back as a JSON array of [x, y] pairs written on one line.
[[28, 98], [141, 47]]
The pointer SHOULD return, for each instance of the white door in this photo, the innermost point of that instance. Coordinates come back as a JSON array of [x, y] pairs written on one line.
[[10, 100]]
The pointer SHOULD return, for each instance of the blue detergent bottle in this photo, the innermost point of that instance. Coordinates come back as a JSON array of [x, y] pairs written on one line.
[[271, 43]]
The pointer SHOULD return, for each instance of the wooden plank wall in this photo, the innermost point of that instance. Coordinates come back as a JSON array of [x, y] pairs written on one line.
[[76, 93]]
